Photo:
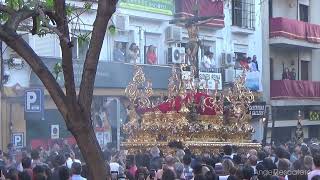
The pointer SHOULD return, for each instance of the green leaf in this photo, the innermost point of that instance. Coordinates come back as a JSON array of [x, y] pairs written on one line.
[[83, 38], [69, 9], [112, 29], [49, 4], [3, 17], [87, 6]]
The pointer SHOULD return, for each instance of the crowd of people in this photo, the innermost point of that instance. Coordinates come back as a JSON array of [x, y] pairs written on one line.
[[132, 55], [63, 162], [248, 63]]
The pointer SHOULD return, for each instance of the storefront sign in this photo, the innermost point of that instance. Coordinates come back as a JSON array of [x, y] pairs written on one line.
[[18, 140], [103, 137], [314, 116], [154, 6], [55, 134], [34, 100], [257, 109]]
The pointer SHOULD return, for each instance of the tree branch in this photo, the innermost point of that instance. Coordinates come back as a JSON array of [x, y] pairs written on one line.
[[105, 10], [4, 8], [52, 28], [67, 64], [19, 16], [16, 42]]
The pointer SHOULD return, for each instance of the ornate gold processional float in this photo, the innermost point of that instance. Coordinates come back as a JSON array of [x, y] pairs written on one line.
[[190, 113], [199, 118]]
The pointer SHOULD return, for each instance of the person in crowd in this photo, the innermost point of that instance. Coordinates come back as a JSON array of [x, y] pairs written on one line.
[[227, 149], [71, 159], [39, 171], [64, 173], [151, 55], [26, 164], [283, 167], [2, 162], [293, 74], [76, 171], [207, 61], [316, 169], [24, 175], [118, 53], [244, 62], [142, 173], [168, 174], [169, 164], [245, 172], [115, 166], [178, 169], [252, 161], [133, 53], [254, 64], [180, 154], [228, 169], [131, 165], [261, 156], [36, 159], [286, 74], [295, 154], [308, 162], [156, 160], [59, 162], [187, 170], [9, 162]]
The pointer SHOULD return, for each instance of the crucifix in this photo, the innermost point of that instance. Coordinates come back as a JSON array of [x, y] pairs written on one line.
[[192, 25]]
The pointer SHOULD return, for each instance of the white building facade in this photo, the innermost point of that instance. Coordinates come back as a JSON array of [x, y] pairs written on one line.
[[146, 23]]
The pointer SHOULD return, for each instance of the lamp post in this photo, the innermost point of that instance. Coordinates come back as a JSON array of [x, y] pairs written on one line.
[[299, 131], [265, 126]]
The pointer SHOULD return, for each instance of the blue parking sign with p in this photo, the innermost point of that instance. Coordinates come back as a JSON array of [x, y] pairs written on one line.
[[34, 100]]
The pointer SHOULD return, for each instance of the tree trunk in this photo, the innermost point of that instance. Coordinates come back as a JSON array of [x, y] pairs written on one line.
[[90, 149]]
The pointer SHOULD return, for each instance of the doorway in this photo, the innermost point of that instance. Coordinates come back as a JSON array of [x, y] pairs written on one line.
[[304, 70]]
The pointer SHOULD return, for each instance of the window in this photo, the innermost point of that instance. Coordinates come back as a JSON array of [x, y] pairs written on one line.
[[243, 13], [79, 49], [304, 70], [304, 12]]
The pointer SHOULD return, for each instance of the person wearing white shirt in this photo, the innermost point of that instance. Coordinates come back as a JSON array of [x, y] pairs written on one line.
[[76, 171], [208, 61], [71, 159]]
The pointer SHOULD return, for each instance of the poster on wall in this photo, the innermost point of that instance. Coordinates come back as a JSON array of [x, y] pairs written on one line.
[[206, 79], [101, 119], [253, 80], [55, 131]]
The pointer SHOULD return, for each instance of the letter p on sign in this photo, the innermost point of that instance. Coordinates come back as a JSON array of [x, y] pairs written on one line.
[[31, 99]]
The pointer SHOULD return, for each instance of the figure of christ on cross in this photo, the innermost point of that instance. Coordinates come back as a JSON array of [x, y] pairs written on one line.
[[192, 25]]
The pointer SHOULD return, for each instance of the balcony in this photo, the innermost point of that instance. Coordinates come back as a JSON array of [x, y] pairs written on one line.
[[295, 90], [185, 8], [290, 32]]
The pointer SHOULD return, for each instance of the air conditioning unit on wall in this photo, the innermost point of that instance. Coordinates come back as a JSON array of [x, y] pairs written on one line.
[[176, 55], [173, 34], [121, 22]]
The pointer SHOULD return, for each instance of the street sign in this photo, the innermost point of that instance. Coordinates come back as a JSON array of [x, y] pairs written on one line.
[[34, 100], [103, 137], [55, 131], [257, 109], [18, 140]]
